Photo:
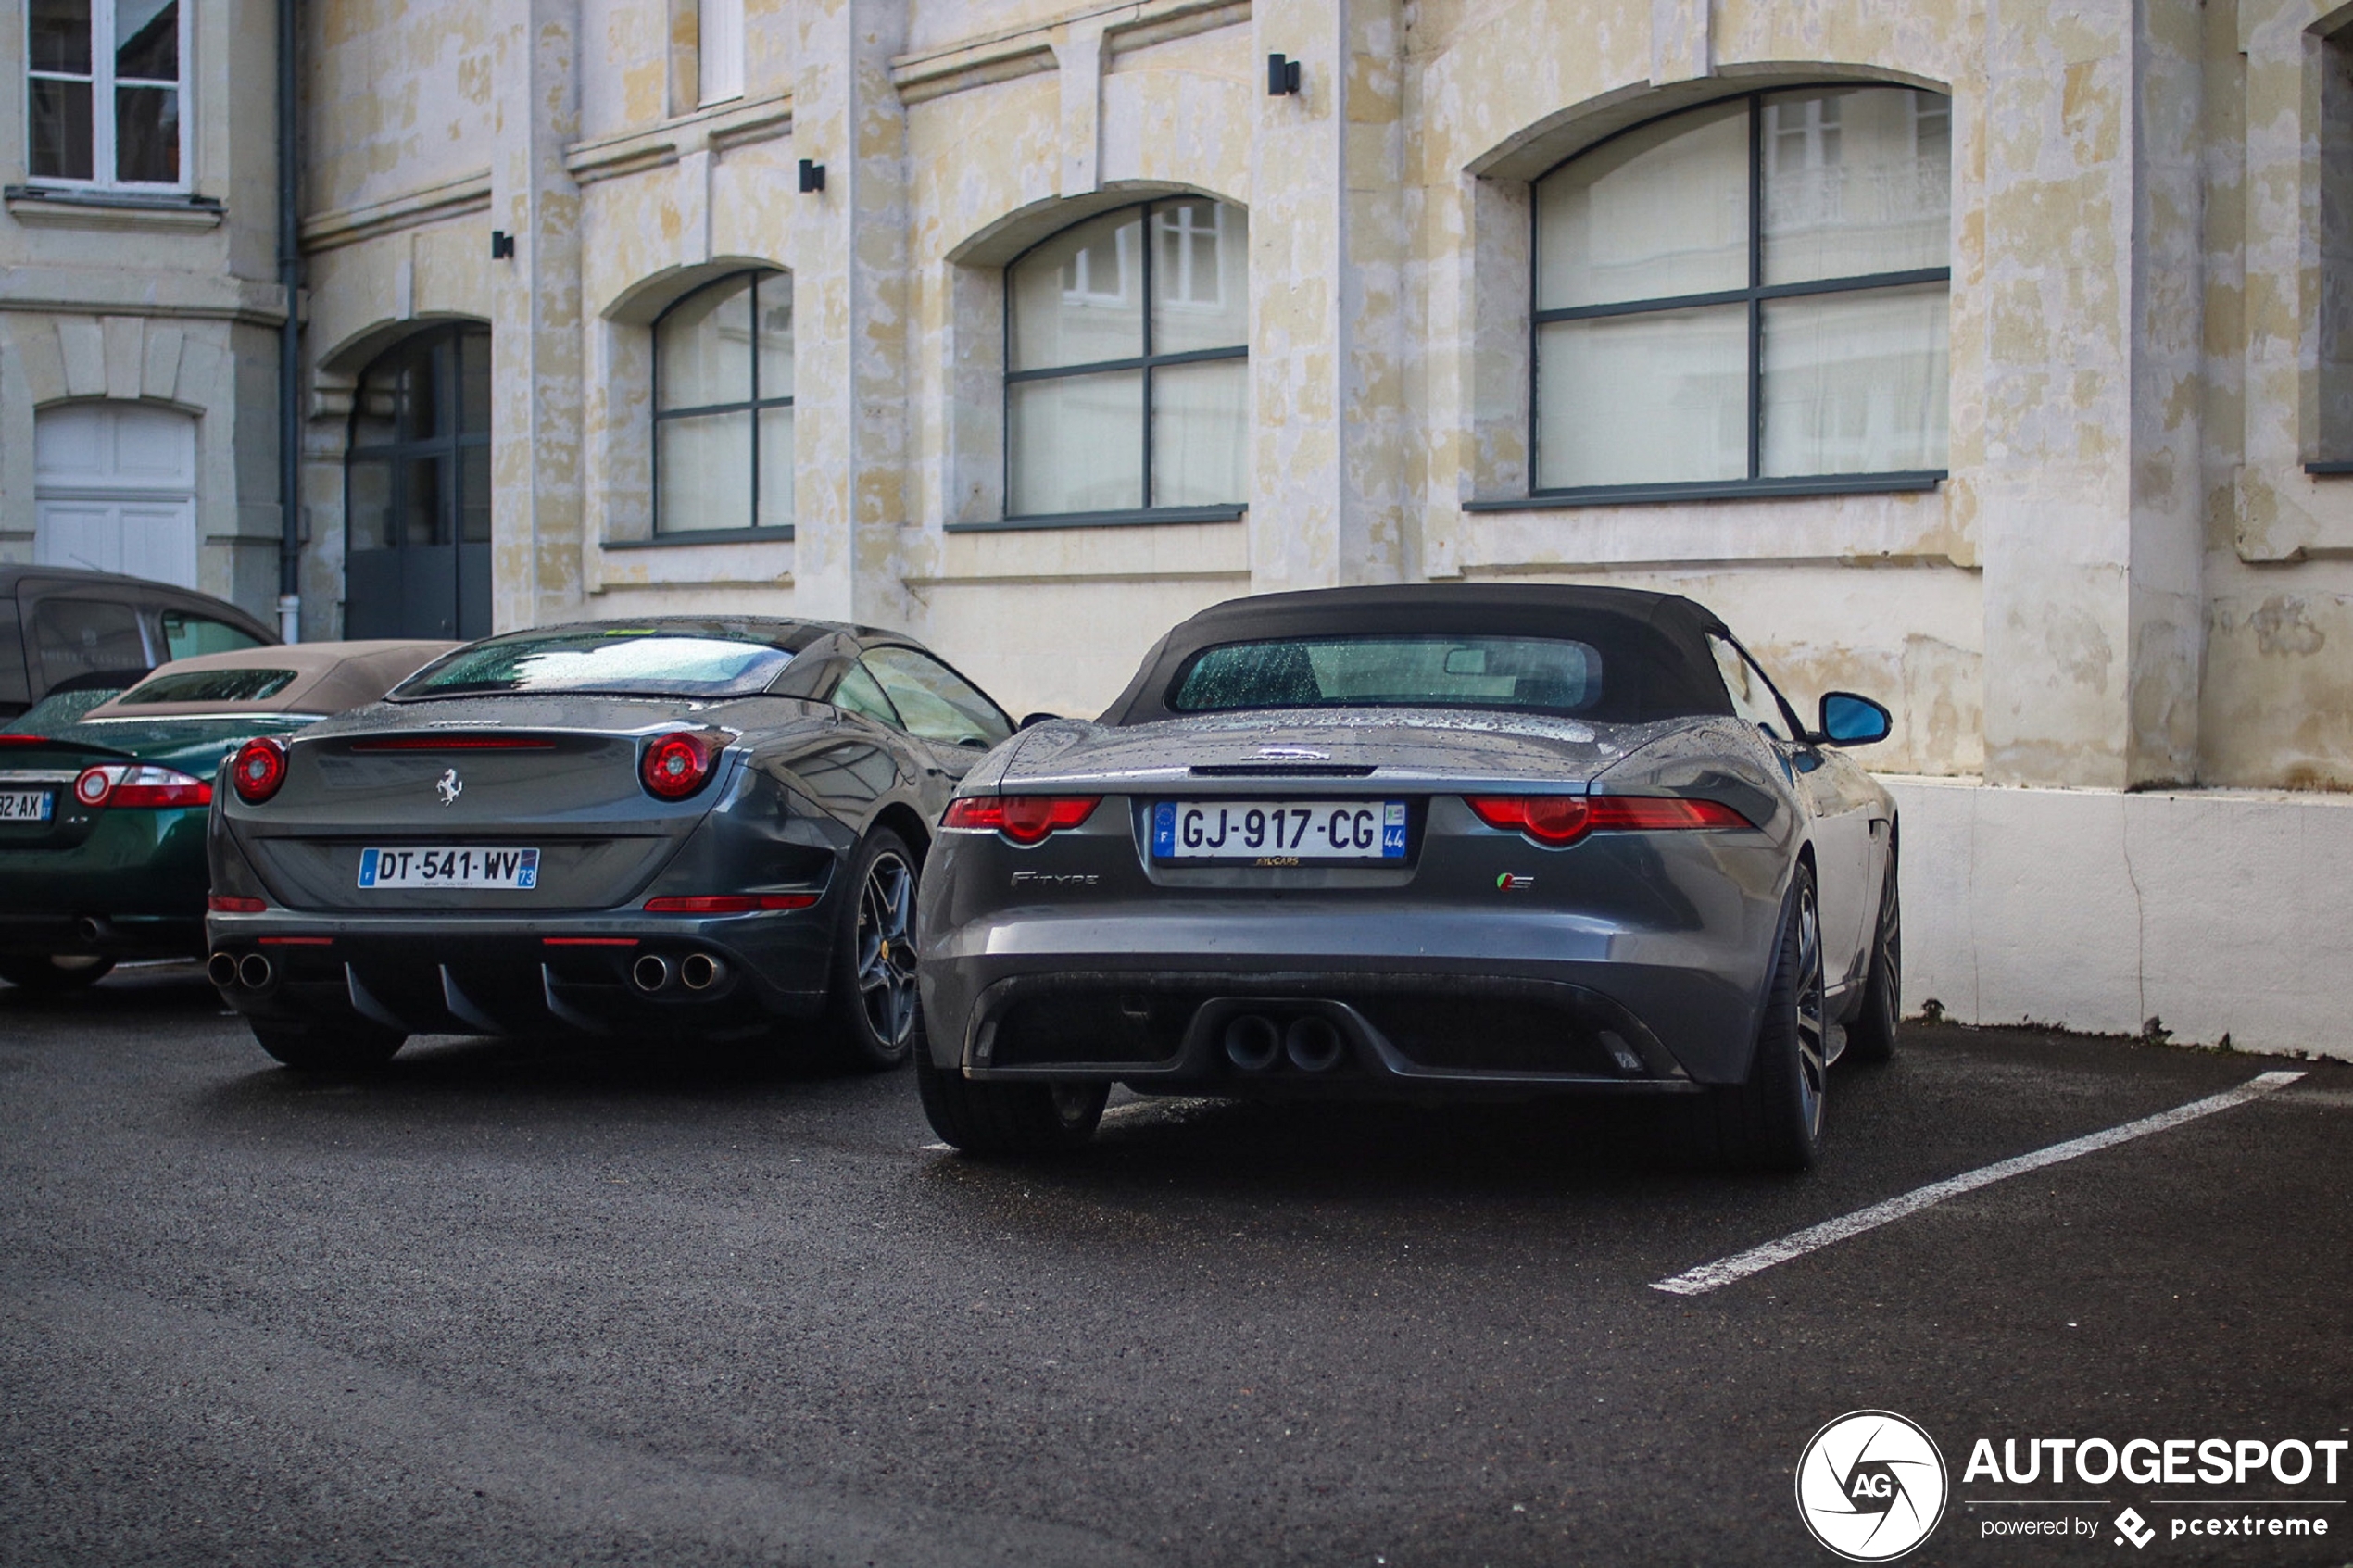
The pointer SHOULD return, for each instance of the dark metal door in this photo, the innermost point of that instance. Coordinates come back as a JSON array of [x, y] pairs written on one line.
[[417, 490]]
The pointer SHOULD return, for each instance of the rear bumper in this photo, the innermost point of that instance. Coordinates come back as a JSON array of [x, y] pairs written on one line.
[[543, 974], [135, 887], [1421, 997]]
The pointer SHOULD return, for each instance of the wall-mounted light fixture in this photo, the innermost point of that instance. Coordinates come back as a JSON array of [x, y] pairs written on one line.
[[1282, 77], [502, 245], [813, 176]]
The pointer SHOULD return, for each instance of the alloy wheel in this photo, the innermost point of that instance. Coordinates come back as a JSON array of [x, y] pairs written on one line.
[[887, 952], [1812, 1030]]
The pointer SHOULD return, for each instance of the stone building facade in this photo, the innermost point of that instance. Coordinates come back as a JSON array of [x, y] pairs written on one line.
[[1993, 359]]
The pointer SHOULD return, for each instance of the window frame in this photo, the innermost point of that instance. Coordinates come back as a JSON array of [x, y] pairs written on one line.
[[1754, 297], [1146, 363], [105, 124], [449, 377], [751, 409]]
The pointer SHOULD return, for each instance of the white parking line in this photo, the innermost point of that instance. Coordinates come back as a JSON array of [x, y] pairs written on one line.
[[1725, 1270]]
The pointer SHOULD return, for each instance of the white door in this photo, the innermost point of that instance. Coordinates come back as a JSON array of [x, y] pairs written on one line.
[[114, 490]]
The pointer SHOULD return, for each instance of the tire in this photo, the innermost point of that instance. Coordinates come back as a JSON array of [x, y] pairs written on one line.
[[1871, 1037], [52, 974], [351, 1047], [1008, 1121], [873, 1017], [1773, 1121]]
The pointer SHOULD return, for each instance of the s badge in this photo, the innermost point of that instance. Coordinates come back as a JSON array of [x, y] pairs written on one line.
[[1512, 882]]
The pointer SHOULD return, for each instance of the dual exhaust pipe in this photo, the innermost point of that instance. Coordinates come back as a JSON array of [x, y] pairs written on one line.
[[696, 972], [1255, 1043], [254, 971]]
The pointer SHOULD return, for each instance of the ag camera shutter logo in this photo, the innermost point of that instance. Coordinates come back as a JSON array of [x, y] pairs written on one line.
[[1871, 1485]]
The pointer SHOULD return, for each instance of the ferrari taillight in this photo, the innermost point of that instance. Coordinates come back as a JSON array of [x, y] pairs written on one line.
[[1562, 819], [675, 765], [1024, 819], [260, 768], [136, 784]]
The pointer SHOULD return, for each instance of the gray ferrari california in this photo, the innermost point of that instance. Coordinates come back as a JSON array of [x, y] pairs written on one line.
[[1419, 840], [706, 828]]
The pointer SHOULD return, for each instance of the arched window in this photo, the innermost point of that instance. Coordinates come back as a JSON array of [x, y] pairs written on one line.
[[417, 490], [1746, 297], [1127, 386], [722, 406]]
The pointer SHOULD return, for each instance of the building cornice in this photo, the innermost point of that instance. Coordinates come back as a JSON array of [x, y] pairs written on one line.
[[349, 225], [718, 128], [1029, 51], [94, 292]]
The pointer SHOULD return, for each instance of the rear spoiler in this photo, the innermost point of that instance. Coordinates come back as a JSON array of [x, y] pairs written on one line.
[[24, 751]]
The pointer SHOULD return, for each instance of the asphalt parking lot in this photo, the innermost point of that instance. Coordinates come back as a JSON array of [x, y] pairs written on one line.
[[510, 1302]]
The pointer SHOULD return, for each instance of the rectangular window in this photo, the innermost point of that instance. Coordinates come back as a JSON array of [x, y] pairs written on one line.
[[720, 42], [105, 94]]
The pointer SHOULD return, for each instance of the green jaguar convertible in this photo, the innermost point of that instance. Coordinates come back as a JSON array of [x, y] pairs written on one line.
[[104, 796]]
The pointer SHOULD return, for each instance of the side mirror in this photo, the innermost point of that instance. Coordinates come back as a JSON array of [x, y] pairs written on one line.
[[1848, 720], [1035, 719]]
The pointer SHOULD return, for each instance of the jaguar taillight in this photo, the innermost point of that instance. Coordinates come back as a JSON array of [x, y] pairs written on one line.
[[138, 785], [258, 770], [1024, 819], [1559, 821]]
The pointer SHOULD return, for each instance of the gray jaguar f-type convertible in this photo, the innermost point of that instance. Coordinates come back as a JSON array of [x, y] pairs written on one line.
[[1453, 840], [704, 828]]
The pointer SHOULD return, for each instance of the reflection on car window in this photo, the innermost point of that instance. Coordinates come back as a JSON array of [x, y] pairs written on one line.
[[83, 636], [1543, 674], [210, 686], [937, 704], [186, 634], [1752, 698], [60, 712], [621, 660], [859, 694]]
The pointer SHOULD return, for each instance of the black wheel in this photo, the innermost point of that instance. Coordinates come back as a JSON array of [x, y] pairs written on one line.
[[1871, 1037], [52, 972], [348, 1048], [1774, 1120], [874, 1011], [1004, 1120]]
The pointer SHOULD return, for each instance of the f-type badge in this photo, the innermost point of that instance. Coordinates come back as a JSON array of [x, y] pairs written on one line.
[[449, 786]]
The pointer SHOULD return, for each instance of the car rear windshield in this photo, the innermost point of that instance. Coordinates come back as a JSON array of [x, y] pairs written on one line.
[[624, 661], [210, 686], [1537, 674]]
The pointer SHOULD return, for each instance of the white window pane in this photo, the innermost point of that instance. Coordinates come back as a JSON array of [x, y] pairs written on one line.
[[1648, 399], [1200, 423], [1658, 212], [1077, 299], [719, 69], [59, 32], [1201, 276], [1076, 445], [1857, 180], [146, 40], [775, 467], [1856, 383], [62, 146], [705, 462], [775, 345], [146, 146], [703, 347]]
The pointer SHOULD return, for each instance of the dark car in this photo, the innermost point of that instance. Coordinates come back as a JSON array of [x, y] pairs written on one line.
[[103, 803], [676, 828], [1424, 840], [59, 626]]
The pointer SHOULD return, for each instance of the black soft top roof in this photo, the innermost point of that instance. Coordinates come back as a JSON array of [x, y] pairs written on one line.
[[1653, 646]]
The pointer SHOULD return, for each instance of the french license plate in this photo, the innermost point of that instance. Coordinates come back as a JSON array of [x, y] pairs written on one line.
[[27, 805], [1283, 830], [449, 868]]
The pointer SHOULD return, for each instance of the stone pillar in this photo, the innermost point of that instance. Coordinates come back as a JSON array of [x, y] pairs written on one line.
[[1327, 240], [851, 292], [534, 315], [2093, 496]]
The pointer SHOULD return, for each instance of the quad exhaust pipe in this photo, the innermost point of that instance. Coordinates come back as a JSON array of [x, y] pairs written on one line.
[[1311, 1043], [254, 971], [651, 972], [696, 972], [700, 971]]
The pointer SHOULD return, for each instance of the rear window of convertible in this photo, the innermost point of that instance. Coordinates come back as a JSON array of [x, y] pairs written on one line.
[[1538, 674], [618, 661], [210, 686]]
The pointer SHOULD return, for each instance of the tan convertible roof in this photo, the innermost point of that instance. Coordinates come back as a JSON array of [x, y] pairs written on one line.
[[328, 678]]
